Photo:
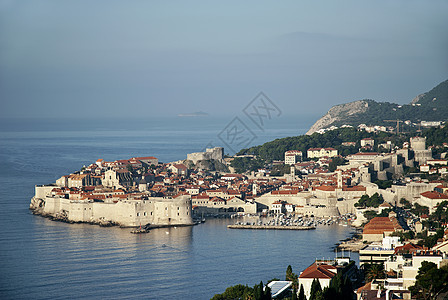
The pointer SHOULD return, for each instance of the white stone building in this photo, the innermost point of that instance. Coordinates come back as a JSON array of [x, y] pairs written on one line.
[[292, 157]]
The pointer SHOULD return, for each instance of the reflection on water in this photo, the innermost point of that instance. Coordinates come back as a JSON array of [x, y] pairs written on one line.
[[96, 262], [41, 259]]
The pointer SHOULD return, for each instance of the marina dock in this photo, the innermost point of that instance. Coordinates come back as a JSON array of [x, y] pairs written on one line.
[[275, 227]]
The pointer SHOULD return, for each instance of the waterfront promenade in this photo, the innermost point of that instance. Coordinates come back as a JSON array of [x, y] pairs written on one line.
[[270, 227]]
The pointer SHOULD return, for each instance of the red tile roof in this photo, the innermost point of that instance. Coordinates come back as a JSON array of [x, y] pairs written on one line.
[[434, 195], [379, 225], [318, 271]]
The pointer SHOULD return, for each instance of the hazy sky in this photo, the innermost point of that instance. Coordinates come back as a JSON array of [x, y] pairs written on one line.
[[146, 58]]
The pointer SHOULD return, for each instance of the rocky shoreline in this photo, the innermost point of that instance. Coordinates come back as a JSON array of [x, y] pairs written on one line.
[[61, 217], [354, 243]]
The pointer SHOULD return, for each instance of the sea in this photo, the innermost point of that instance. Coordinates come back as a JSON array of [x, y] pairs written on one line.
[[43, 259]]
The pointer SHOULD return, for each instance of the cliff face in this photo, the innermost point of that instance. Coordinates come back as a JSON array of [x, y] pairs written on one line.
[[339, 113], [429, 106]]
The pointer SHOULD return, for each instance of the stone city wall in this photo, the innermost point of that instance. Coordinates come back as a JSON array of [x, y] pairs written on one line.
[[128, 213]]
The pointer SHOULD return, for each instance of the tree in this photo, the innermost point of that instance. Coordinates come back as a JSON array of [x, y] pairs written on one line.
[[316, 289], [289, 273], [335, 162], [406, 204], [441, 213], [340, 288], [347, 289], [430, 281], [261, 293], [374, 271], [238, 291], [329, 293], [419, 209], [302, 293], [370, 214], [374, 201], [294, 294], [362, 201], [383, 184], [290, 276]]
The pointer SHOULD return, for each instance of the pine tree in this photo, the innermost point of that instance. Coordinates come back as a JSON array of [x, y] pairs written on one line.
[[315, 289], [330, 293], [267, 293], [336, 283], [290, 276], [289, 273], [294, 294], [302, 293], [347, 289]]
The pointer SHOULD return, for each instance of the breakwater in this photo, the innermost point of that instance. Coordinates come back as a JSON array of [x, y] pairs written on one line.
[[272, 227]]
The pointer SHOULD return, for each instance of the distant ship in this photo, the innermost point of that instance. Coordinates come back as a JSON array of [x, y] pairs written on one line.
[[195, 114]]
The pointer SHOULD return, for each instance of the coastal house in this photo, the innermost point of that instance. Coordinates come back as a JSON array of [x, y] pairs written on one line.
[[179, 169], [379, 252], [292, 157], [376, 291], [406, 265], [317, 271], [147, 160], [424, 168], [321, 152], [367, 142], [431, 199], [100, 163], [231, 177], [78, 180], [278, 207], [63, 181], [193, 189], [280, 289], [380, 227], [289, 208]]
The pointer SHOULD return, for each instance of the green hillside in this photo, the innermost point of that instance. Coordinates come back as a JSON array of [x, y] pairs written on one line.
[[431, 106], [276, 149]]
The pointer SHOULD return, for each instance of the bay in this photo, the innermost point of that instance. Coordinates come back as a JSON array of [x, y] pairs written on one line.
[[41, 259]]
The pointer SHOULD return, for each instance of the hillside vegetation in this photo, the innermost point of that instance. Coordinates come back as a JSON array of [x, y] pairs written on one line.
[[275, 150], [430, 106]]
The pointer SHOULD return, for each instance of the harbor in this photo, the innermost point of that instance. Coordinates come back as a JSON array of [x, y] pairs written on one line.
[[272, 227]]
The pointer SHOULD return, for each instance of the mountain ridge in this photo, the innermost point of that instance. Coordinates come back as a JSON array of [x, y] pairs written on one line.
[[429, 106]]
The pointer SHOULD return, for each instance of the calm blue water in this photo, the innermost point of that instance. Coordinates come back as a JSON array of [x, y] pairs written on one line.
[[41, 259]]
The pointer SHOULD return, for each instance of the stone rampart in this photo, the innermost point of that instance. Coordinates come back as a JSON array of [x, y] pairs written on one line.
[[216, 153], [128, 213]]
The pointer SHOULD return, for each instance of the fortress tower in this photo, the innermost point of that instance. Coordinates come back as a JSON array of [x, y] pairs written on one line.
[[418, 143]]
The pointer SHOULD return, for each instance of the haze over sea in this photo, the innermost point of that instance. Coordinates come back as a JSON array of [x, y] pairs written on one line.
[[41, 259]]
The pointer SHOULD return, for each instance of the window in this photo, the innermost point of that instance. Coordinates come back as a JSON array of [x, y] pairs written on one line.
[[138, 214], [144, 213]]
